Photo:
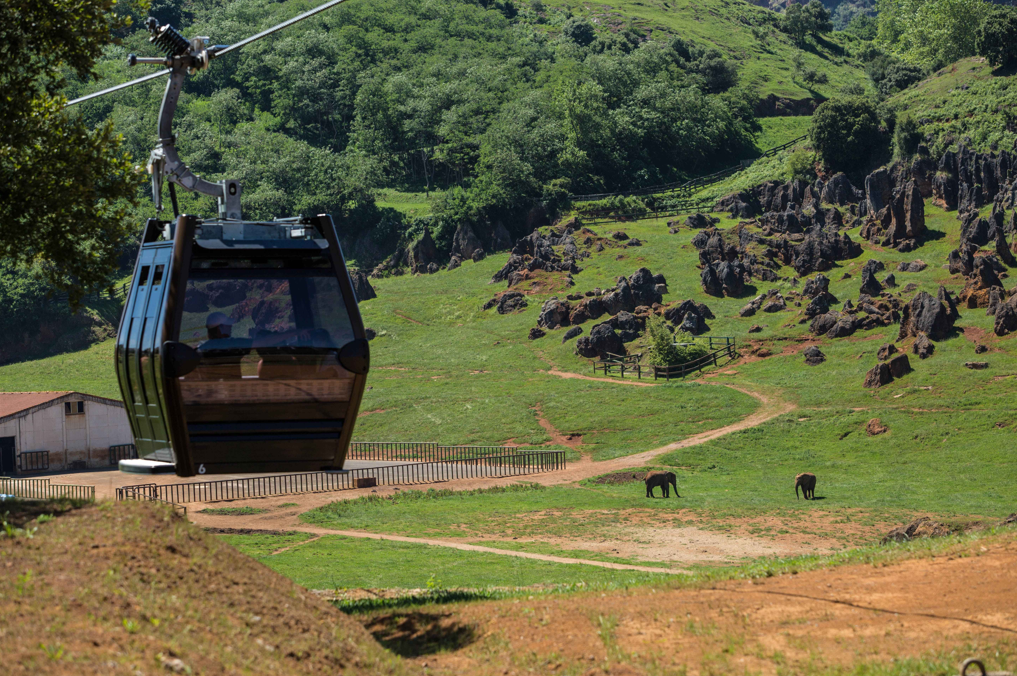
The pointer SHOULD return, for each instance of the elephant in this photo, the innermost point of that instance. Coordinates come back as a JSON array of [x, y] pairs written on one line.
[[807, 481], [662, 479]]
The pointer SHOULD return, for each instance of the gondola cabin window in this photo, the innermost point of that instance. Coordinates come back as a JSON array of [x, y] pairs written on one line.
[[267, 330]]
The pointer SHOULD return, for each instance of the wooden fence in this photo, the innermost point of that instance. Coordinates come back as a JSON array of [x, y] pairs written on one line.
[[721, 347]]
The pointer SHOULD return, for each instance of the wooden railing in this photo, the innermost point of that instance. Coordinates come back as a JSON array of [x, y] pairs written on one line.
[[721, 347], [682, 370]]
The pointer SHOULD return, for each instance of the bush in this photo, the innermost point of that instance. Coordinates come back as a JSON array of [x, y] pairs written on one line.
[[800, 165], [996, 38], [579, 31], [661, 350], [845, 132], [906, 137], [661, 344], [898, 76]]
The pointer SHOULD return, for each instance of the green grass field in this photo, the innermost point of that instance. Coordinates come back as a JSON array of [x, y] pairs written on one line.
[[445, 370]]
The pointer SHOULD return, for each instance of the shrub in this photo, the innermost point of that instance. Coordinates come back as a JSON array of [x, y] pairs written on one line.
[[661, 349], [579, 31], [845, 132], [800, 165], [906, 137], [996, 38], [898, 76]]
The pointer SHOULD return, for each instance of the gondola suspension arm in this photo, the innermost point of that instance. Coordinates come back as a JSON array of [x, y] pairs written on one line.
[[185, 57]]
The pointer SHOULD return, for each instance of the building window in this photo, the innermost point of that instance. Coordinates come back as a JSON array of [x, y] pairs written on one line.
[[74, 407]]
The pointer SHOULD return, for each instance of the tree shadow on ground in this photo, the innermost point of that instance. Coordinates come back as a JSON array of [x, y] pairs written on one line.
[[414, 634]]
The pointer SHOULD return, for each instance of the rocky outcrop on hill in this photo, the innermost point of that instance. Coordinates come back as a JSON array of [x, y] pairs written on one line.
[[901, 222], [423, 254], [689, 316], [926, 315], [466, 244], [982, 281], [885, 372], [535, 252], [638, 294], [362, 286], [724, 278], [601, 341], [922, 527], [814, 356], [507, 303], [1006, 317]]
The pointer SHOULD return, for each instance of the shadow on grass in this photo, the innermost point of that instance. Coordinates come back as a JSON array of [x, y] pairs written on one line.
[[414, 634]]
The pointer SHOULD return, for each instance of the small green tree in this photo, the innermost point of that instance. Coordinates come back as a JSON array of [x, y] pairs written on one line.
[[996, 38], [906, 137], [661, 349], [800, 165], [817, 18], [795, 23], [845, 132]]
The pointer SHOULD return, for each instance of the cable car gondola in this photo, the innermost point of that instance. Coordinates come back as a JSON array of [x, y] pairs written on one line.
[[240, 347]]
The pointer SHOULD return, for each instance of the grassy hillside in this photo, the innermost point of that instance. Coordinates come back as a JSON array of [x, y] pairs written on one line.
[[764, 56], [132, 588], [968, 102]]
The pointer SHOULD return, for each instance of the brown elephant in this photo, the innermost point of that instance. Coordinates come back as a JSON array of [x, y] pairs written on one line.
[[662, 479], [807, 481]]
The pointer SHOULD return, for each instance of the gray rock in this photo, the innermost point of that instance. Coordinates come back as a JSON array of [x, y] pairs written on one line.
[[878, 376], [813, 356], [362, 286], [554, 314], [923, 347], [572, 333], [976, 365]]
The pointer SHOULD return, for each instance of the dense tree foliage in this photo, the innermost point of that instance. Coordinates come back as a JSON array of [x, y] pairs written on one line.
[[64, 187], [930, 33], [802, 21], [845, 133], [996, 38], [499, 106]]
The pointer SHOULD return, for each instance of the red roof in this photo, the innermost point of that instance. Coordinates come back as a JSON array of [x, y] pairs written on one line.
[[15, 402], [12, 403]]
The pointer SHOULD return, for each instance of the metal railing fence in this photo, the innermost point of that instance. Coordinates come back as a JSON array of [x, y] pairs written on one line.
[[33, 461], [423, 451], [119, 452], [42, 489], [510, 464]]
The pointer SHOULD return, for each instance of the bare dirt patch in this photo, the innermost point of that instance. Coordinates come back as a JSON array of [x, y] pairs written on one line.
[[377, 410], [786, 624]]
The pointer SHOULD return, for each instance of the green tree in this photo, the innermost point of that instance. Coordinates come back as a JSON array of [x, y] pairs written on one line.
[[845, 132], [817, 18], [996, 38], [906, 137], [795, 23], [65, 189], [930, 33]]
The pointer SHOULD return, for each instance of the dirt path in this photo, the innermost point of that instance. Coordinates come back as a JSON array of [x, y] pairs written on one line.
[[466, 547], [615, 381], [833, 619], [289, 520]]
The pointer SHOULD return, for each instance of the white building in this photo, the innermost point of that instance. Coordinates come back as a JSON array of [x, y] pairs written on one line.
[[59, 430]]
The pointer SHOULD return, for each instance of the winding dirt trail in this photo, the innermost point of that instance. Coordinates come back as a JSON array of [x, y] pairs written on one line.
[[288, 520]]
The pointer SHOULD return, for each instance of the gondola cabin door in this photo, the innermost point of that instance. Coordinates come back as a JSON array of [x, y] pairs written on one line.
[[245, 352]]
